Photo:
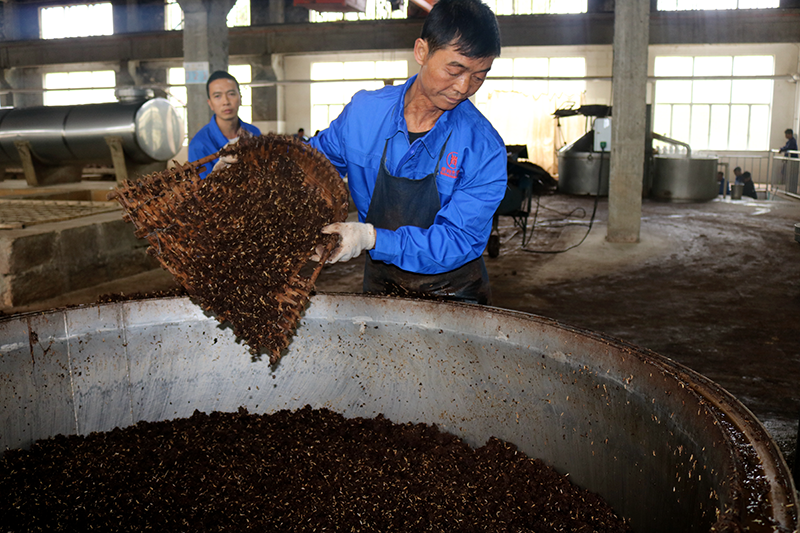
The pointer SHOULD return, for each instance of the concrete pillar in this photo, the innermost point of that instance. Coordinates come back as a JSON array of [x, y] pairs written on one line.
[[264, 13], [628, 125], [147, 76], [131, 73], [268, 102], [205, 49], [20, 21], [26, 78], [132, 16], [600, 6], [6, 96]]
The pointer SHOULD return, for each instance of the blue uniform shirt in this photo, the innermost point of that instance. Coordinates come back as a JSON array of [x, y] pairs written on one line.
[[471, 178], [209, 140], [791, 144]]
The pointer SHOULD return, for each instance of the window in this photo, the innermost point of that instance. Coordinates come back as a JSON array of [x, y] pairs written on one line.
[[531, 7], [328, 98], [715, 114], [77, 88], [178, 95], [535, 67], [82, 20], [239, 15], [521, 110], [374, 10], [687, 5], [380, 9], [243, 75]]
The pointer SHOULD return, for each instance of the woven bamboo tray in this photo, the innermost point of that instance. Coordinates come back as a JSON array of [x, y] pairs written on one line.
[[238, 240]]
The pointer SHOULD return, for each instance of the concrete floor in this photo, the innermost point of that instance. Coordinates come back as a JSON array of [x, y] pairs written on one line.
[[714, 286]]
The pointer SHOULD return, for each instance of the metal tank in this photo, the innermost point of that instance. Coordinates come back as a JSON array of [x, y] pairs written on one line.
[[582, 171], [667, 448], [684, 178], [150, 131]]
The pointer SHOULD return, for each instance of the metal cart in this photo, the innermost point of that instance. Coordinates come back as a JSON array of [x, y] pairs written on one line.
[[523, 178]]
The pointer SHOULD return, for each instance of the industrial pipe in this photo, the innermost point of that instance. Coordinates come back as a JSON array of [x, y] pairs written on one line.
[[673, 141], [149, 131]]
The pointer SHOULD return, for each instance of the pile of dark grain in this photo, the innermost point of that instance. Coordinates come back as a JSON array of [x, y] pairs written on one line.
[[307, 470], [238, 240]]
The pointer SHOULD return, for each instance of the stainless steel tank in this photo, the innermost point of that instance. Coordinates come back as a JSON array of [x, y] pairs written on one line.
[[583, 173], [150, 130], [667, 448], [678, 178]]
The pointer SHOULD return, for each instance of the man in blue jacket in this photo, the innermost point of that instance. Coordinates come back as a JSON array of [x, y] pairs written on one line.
[[791, 143], [225, 126], [425, 169]]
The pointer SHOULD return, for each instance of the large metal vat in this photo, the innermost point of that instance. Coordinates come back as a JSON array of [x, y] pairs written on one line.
[[583, 173], [150, 131], [666, 447], [678, 178], [581, 170]]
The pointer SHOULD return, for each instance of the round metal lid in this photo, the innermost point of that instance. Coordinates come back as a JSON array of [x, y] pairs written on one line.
[[159, 129]]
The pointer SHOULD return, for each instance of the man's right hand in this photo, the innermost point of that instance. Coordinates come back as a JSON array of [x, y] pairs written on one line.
[[354, 238], [224, 162]]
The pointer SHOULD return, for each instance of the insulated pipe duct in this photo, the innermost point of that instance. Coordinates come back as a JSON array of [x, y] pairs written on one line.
[[668, 449], [149, 130], [673, 141]]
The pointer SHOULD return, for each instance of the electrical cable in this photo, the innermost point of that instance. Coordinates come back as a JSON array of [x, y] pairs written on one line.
[[591, 220]]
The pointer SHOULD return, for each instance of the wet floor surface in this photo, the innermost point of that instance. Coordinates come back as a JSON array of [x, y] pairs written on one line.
[[714, 286]]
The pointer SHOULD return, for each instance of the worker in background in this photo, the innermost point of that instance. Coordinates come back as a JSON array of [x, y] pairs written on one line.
[[425, 169], [301, 134], [225, 126], [789, 169], [721, 181], [749, 188], [791, 143]]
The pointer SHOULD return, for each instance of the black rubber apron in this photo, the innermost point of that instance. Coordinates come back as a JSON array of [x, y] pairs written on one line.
[[398, 201]]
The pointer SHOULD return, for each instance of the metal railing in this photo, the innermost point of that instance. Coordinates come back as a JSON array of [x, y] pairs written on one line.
[[757, 163], [785, 167]]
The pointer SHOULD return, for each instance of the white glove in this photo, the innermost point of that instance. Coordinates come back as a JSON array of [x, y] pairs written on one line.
[[224, 162], [354, 238]]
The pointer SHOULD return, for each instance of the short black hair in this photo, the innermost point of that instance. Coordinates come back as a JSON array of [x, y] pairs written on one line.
[[789, 131], [220, 75], [469, 25]]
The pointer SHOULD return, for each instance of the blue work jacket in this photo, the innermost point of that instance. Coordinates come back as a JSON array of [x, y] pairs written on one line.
[[209, 140], [471, 178]]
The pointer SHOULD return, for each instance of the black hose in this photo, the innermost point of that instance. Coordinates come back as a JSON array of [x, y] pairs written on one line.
[[591, 220]]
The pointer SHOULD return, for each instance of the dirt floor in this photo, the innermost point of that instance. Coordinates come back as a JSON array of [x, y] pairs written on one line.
[[714, 286]]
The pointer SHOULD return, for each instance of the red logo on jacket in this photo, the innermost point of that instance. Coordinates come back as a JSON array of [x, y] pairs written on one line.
[[450, 167]]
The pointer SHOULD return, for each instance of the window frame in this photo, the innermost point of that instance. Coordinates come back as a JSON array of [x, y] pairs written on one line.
[[756, 110]]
